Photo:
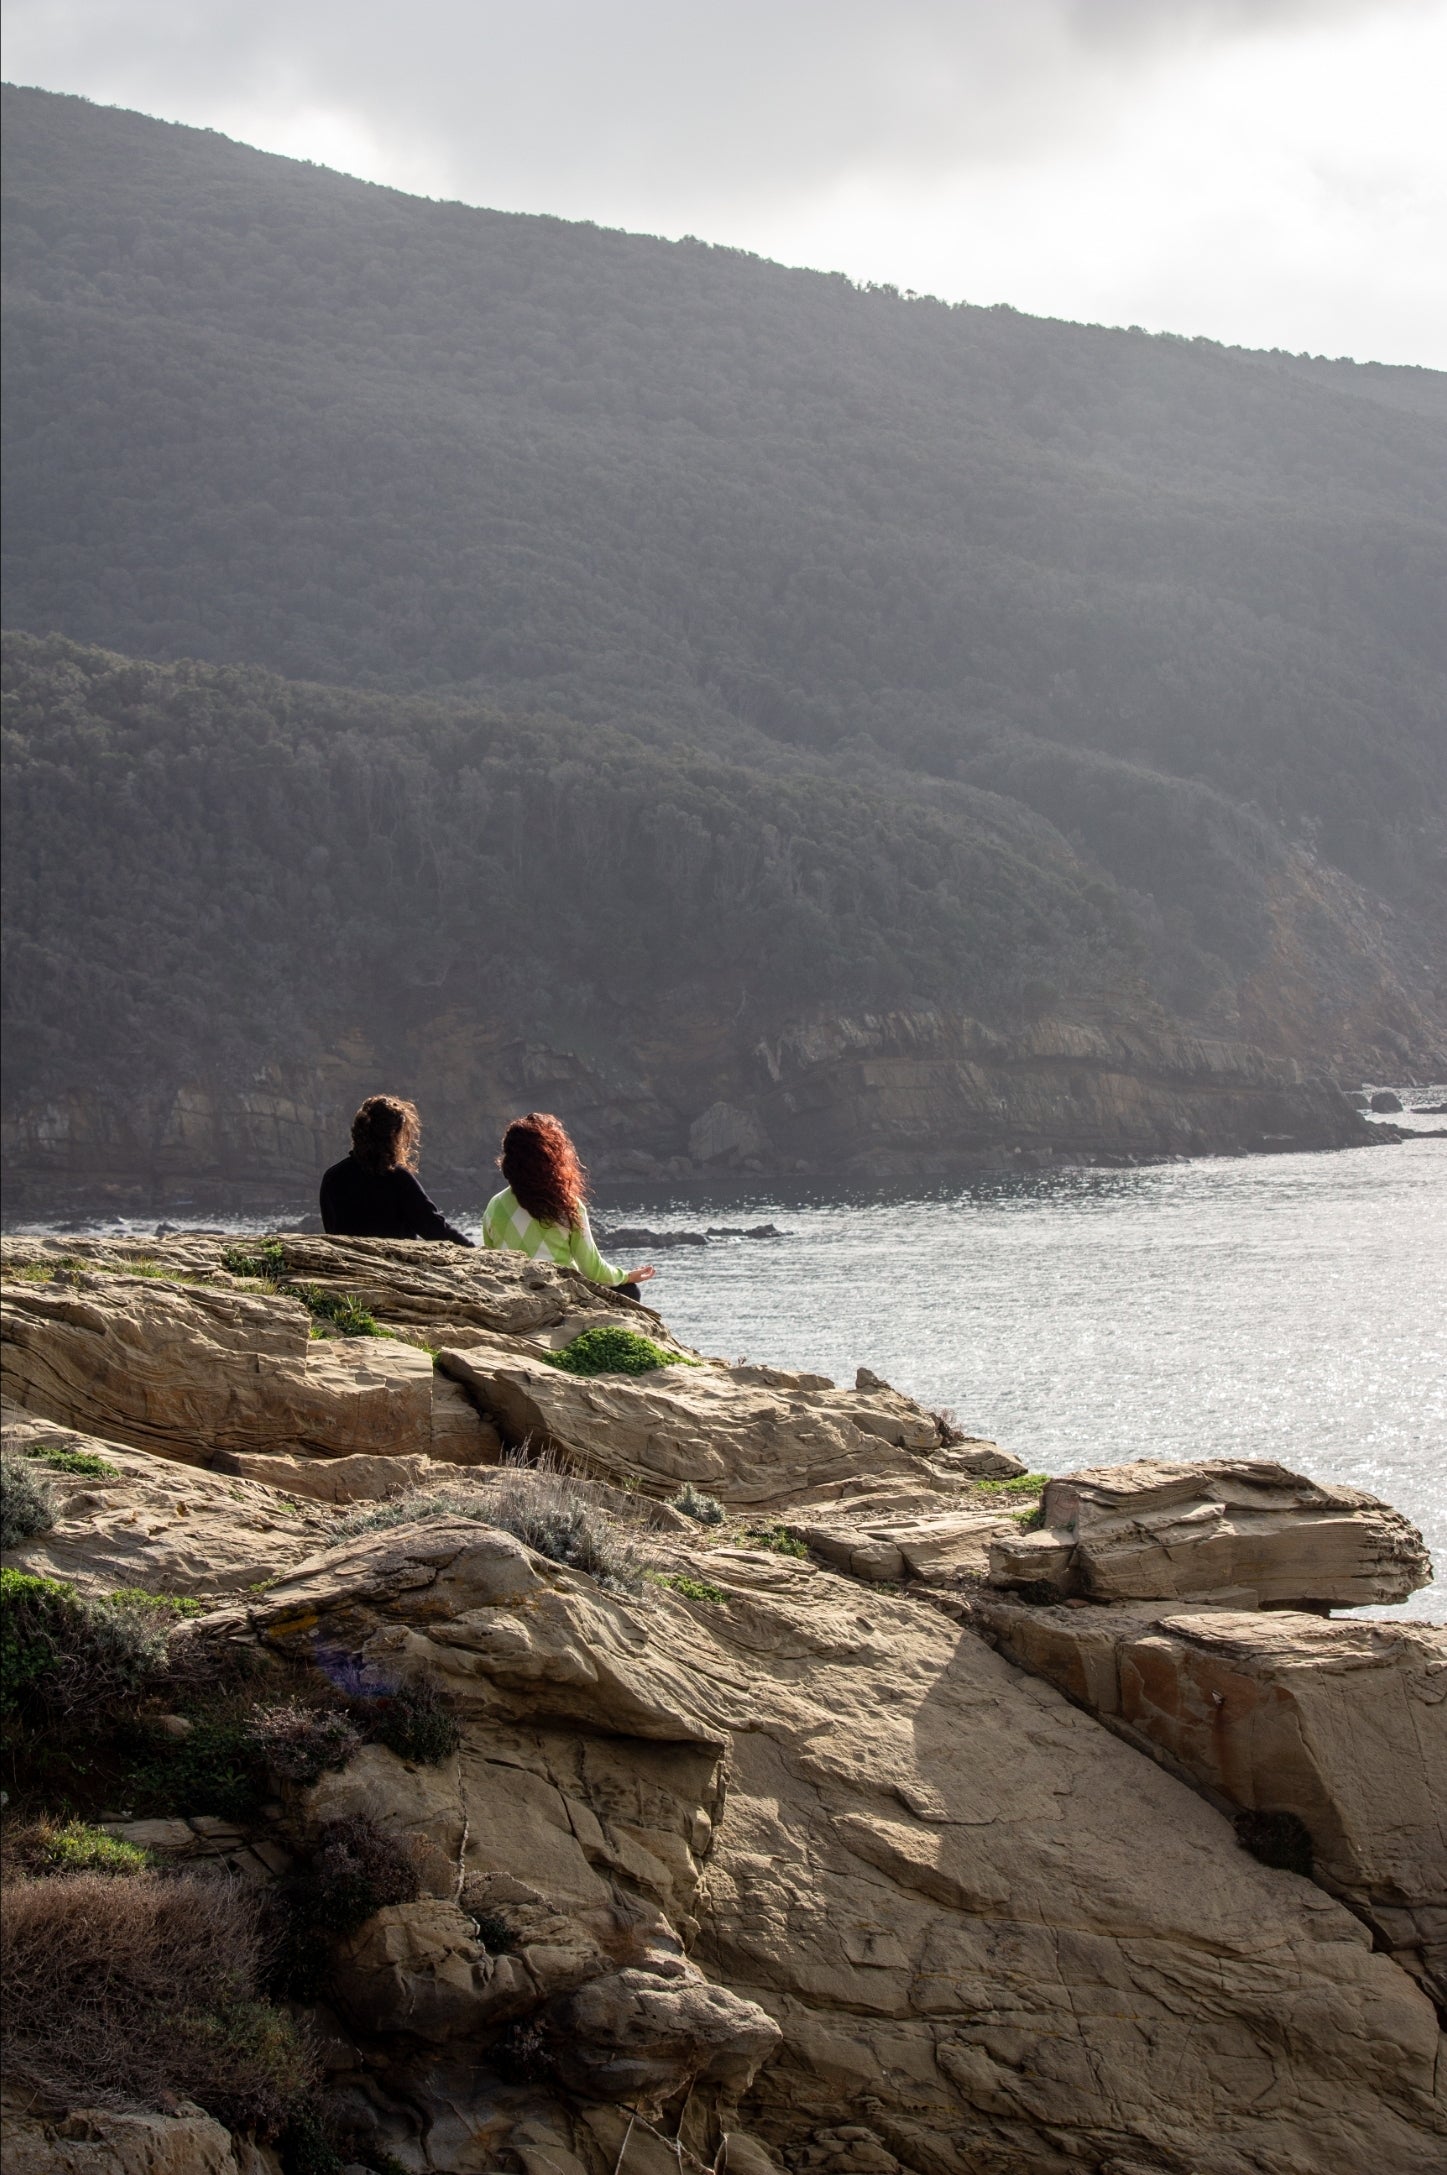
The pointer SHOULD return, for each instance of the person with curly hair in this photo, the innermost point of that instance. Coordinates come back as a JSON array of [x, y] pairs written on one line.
[[543, 1209], [373, 1193]]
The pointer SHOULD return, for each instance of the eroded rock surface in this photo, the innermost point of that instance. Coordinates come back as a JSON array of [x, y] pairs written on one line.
[[202, 1372], [1342, 1725], [112, 2141], [147, 1522], [751, 1436], [1229, 1530], [766, 1846], [989, 1933]]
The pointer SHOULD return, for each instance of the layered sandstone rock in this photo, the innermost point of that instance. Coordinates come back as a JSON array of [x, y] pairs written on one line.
[[756, 1847], [751, 1436], [199, 1372], [147, 1522], [1340, 1725], [987, 1931], [1227, 1529]]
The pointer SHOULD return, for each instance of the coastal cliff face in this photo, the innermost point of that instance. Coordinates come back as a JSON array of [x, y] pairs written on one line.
[[809, 1792], [918, 1093]]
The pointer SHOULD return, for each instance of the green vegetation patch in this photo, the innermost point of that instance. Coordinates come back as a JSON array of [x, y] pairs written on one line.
[[609, 1350], [692, 1589], [78, 1847], [218, 1769], [1022, 1484], [777, 1540], [70, 1461], [27, 1503], [61, 1655], [264, 1260], [339, 1310], [168, 1604]]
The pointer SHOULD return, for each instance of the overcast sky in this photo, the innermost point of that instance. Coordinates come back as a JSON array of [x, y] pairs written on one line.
[[1272, 172]]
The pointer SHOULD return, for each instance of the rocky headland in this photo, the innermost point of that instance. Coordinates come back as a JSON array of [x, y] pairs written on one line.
[[678, 1766], [844, 1097]]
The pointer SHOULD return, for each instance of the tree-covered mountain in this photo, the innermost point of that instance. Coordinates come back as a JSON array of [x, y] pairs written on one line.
[[720, 638]]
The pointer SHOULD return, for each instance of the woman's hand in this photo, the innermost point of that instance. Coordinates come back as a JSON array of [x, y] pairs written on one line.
[[640, 1276]]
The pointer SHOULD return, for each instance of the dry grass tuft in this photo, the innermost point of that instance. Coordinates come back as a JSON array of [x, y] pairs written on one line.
[[137, 1992]]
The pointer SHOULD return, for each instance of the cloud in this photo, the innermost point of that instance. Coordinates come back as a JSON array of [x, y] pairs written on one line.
[[1260, 169]]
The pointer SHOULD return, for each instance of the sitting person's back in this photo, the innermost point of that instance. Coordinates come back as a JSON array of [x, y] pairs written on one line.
[[373, 1193], [542, 1211]]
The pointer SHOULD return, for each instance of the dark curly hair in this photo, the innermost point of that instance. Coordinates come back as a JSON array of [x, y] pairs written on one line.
[[541, 1165], [385, 1134]]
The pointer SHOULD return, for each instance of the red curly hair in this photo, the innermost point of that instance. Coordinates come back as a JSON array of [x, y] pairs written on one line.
[[541, 1165]]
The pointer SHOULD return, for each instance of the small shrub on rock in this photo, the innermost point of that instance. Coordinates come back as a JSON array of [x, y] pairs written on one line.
[[609, 1350], [302, 1743], [415, 1722], [61, 1655], [706, 1510], [356, 1868], [58, 1460], [553, 1512], [1279, 1839], [217, 1769], [27, 1502], [523, 2056], [48, 1847], [147, 1989]]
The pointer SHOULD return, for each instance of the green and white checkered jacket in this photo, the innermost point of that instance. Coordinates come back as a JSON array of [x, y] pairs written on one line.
[[505, 1222]]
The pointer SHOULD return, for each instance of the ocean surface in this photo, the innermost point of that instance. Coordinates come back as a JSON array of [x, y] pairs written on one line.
[[1290, 1307]]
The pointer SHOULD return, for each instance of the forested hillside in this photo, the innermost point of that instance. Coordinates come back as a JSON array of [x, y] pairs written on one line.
[[718, 637]]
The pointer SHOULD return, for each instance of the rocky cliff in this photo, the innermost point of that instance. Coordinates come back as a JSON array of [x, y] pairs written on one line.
[[796, 1784], [872, 1096]]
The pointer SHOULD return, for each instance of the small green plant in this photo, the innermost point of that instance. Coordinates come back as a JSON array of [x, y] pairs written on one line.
[[61, 1655], [76, 1847], [217, 1769], [706, 1510], [1030, 1521], [265, 1260], [147, 1265], [69, 1461], [609, 1350], [339, 1310], [692, 1589], [777, 1540], [1021, 1484], [169, 1604], [27, 1502]]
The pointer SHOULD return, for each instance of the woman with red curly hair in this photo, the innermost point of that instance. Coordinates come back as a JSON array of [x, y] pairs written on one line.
[[543, 1209]]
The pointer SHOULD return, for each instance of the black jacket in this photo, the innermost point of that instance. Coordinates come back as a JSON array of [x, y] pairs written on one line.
[[362, 1204]]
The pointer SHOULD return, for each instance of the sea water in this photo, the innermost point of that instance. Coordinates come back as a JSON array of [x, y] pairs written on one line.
[[1291, 1307]]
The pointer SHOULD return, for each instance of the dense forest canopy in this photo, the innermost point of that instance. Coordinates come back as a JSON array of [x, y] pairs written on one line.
[[212, 859], [260, 413], [693, 631]]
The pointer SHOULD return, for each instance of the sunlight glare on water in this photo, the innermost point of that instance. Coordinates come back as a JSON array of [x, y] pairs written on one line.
[[1293, 1308]]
